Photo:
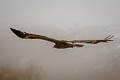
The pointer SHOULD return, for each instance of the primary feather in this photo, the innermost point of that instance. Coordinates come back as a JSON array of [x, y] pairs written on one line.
[[25, 35]]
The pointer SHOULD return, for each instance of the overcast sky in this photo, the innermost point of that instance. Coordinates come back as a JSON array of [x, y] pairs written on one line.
[[62, 19]]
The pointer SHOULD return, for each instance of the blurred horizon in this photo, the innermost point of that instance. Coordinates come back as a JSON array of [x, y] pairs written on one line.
[[64, 20]]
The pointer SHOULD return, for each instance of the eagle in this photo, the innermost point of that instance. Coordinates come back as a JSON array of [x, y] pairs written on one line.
[[59, 44]]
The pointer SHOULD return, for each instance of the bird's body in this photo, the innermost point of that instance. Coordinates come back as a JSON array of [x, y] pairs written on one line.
[[63, 45], [60, 44]]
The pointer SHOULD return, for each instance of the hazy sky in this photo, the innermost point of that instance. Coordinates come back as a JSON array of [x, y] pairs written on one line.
[[62, 19]]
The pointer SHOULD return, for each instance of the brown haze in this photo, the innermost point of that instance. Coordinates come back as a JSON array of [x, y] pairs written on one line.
[[60, 19]]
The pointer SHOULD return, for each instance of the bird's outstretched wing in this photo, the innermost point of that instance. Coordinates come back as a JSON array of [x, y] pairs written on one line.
[[106, 39], [25, 35]]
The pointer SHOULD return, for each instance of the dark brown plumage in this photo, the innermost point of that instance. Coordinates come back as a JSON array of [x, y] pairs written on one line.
[[60, 44]]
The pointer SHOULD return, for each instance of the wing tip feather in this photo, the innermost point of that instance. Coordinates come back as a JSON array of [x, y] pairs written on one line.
[[17, 32]]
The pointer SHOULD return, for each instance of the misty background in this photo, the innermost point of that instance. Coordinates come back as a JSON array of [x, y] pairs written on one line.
[[64, 20]]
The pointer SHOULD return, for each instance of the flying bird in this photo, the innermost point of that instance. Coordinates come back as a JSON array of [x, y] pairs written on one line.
[[59, 44]]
